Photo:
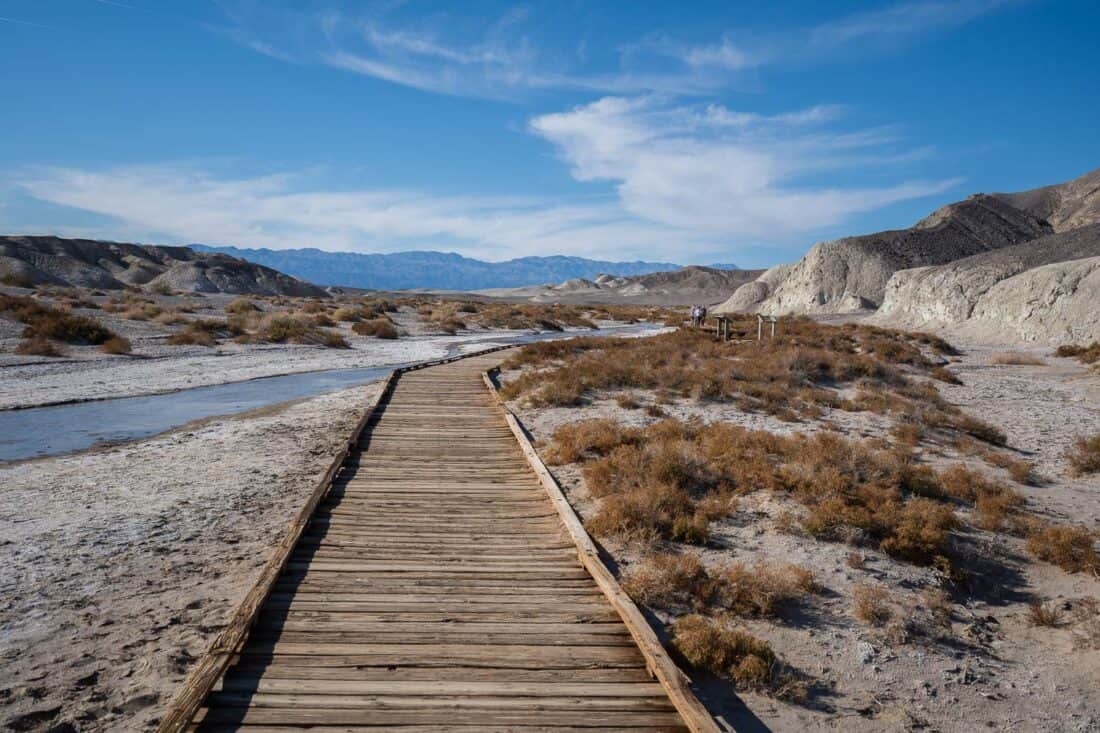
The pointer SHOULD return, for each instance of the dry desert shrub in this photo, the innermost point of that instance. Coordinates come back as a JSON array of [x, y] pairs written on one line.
[[116, 345], [192, 336], [761, 589], [674, 582], [628, 402], [1085, 354], [142, 312], [1044, 614], [241, 306], [1084, 456], [945, 375], [792, 377], [727, 652], [171, 317], [871, 604], [1072, 548], [38, 346], [586, 439], [49, 322], [280, 328], [381, 327], [1016, 358]]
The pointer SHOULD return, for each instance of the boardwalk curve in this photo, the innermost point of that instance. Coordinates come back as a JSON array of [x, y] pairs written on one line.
[[437, 587]]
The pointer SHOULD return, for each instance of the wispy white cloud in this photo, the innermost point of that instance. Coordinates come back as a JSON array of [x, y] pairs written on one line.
[[180, 204], [896, 22], [502, 59], [716, 170]]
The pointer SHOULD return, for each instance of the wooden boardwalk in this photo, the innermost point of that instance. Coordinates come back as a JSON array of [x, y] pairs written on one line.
[[436, 588]]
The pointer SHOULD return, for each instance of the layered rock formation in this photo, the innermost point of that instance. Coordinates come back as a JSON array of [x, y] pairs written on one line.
[[112, 265], [1018, 266]]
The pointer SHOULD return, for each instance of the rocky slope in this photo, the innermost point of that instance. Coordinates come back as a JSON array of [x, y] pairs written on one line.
[[113, 265], [978, 290], [684, 286], [1017, 266], [1064, 206], [850, 275]]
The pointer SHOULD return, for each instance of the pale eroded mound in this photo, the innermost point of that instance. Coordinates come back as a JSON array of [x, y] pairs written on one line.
[[850, 274]]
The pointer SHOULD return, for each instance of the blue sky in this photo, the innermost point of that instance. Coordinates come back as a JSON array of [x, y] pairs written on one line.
[[719, 131]]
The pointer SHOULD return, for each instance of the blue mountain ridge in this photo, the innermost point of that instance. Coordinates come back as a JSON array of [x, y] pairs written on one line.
[[434, 270]]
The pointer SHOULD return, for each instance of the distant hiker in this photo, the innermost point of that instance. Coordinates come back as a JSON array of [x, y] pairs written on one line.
[[696, 319], [702, 315]]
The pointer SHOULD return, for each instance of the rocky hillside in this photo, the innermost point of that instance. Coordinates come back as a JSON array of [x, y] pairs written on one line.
[[687, 285], [1041, 290], [851, 274], [1064, 206], [112, 265], [1001, 265]]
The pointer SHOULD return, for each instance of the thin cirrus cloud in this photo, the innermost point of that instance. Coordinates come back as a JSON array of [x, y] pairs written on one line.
[[502, 59]]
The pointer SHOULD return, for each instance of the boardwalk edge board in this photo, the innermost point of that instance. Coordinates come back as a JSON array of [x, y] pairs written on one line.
[[212, 666], [677, 684]]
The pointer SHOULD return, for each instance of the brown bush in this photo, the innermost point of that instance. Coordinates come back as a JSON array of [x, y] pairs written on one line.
[[1085, 354], [628, 402], [38, 346], [142, 312], [650, 512], [945, 375], [242, 306], [673, 582], [382, 328], [1072, 548], [585, 439], [192, 336], [280, 328], [727, 652], [1042, 614], [1016, 358], [762, 589], [63, 326], [1084, 456], [871, 604], [116, 345]]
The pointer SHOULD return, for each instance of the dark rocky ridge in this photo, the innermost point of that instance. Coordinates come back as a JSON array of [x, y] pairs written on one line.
[[113, 265]]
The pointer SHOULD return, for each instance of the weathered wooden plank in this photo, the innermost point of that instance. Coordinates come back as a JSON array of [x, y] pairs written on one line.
[[605, 720]]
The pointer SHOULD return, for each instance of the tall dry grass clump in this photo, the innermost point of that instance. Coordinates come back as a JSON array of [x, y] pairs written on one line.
[[1084, 456], [674, 582]]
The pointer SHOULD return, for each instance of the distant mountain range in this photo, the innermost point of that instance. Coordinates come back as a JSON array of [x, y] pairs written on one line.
[[435, 270]]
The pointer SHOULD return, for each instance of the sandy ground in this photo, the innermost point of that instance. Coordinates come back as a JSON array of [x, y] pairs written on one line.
[[133, 557], [987, 668]]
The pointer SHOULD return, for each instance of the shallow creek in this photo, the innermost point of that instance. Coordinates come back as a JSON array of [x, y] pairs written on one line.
[[47, 431]]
